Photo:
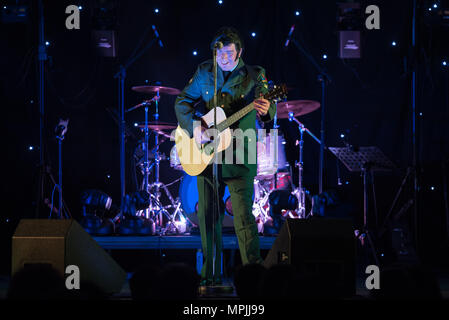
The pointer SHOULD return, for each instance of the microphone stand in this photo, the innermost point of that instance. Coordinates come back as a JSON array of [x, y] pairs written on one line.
[[216, 210], [324, 78]]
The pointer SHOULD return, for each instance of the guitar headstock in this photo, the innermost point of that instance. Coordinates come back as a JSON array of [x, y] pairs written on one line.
[[277, 93]]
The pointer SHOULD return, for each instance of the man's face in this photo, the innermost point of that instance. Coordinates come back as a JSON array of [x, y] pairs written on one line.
[[227, 57]]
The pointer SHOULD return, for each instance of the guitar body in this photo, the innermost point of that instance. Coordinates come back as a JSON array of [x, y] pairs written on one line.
[[194, 158]]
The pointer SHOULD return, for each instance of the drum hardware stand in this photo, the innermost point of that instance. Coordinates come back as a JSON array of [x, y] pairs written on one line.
[[365, 160], [300, 191]]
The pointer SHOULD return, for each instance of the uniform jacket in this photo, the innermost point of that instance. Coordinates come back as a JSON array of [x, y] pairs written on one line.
[[241, 88]]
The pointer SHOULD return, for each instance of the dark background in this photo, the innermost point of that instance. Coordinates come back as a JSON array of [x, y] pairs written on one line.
[[368, 99]]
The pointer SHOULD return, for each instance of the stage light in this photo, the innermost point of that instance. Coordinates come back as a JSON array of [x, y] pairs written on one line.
[[393, 43], [108, 176], [420, 114], [195, 53], [146, 81], [444, 63], [253, 34], [4, 7], [435, 5], [324, 56], [156, 10], [430, 9], [297, 13], [31, 148], [432, 188], [342, 136], [47, 43], [80, 7], [135, 124], [220, 1]]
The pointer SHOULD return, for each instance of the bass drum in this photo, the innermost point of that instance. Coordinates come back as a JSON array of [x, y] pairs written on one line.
[[188, 194]]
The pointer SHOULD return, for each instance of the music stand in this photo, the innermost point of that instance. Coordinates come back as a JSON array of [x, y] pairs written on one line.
[[365, 160]]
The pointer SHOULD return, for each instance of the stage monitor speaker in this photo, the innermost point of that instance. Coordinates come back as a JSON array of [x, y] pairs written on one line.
[[320, 247], [60, 243]]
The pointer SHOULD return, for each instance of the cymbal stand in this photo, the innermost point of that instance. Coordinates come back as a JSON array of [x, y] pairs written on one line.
[[299, 191]]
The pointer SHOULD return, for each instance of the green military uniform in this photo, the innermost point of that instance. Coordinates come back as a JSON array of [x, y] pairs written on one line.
[[242, 86]]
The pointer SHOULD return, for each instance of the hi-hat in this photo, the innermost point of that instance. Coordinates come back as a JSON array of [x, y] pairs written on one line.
[[155, 89], [297, 107]]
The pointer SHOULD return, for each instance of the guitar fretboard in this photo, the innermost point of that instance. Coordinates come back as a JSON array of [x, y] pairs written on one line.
[[235, 117]]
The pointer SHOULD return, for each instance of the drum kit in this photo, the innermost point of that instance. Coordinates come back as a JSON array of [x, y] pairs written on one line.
[[273, 172]]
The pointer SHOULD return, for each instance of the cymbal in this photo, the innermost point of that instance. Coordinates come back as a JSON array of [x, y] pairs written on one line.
[[158, 125], [298, 107], [155, 89]]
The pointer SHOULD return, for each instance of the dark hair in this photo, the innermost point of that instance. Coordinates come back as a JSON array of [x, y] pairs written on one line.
[[228, 35]]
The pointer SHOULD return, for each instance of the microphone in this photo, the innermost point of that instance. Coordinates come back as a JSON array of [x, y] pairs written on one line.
[[61, 128], [157, 36], [218, 45], [287, 42]]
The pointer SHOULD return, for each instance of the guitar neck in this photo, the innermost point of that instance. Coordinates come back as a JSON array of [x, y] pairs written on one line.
[[235, 117]]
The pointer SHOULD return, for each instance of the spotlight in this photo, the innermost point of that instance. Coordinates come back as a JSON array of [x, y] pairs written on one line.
[[393, 43], [342, 136], [220, 1], [432, 188], [108, 176], [430, 9], [80, 7], [435, 5], [47, 43], [444, 63], [135, 124], [297, 13], [195, 53], [324, 56], [156, 10], [31, 148], [253, 34]]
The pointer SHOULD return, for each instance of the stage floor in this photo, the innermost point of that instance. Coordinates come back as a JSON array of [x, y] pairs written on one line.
[[171, 242]]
